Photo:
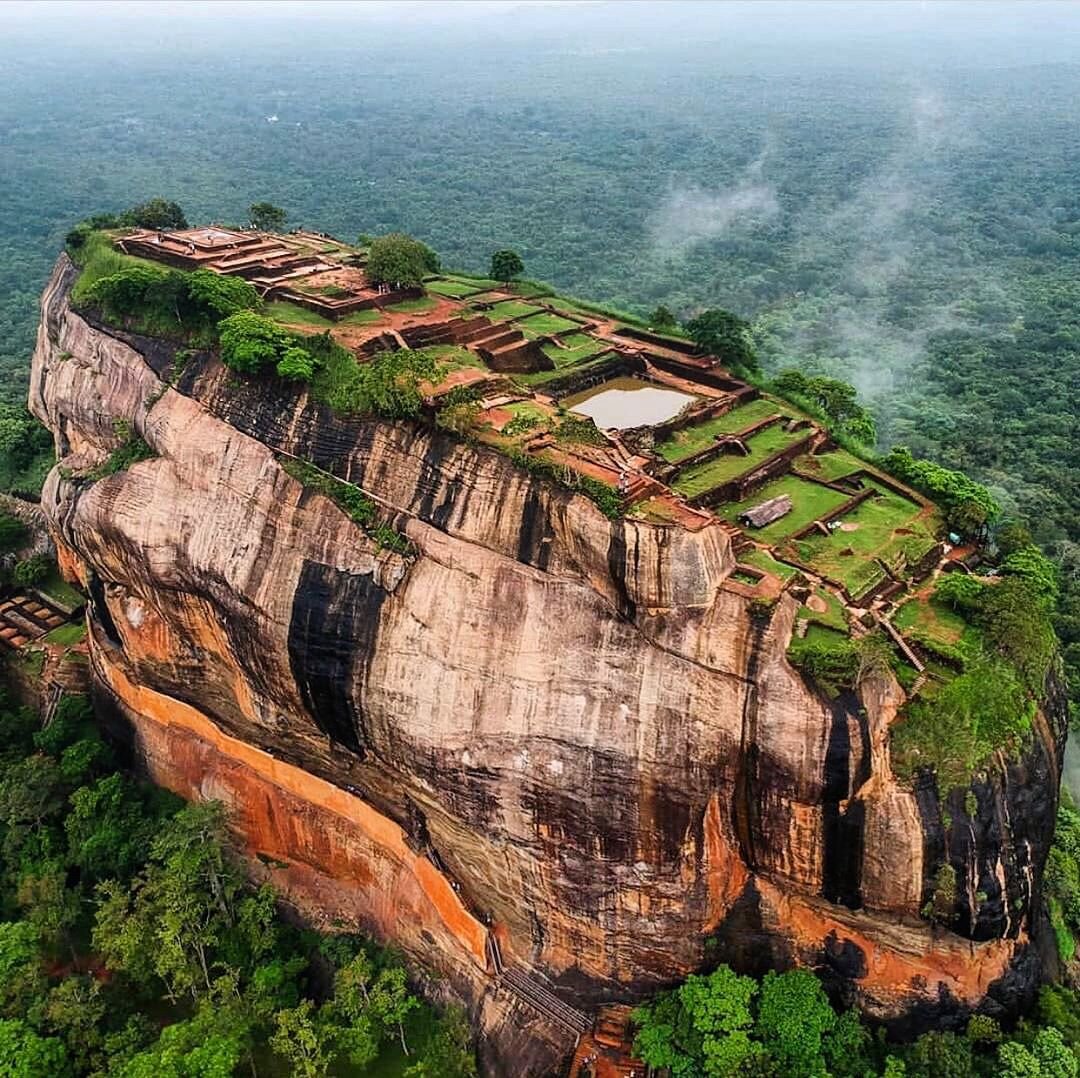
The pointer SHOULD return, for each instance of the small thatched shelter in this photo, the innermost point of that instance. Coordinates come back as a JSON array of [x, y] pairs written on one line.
[[767, 512]]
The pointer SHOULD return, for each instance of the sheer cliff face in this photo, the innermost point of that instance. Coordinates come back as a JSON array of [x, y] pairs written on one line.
[[578, 730]]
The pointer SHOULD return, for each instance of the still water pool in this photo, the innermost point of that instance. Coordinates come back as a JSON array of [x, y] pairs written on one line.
[[627, 402]]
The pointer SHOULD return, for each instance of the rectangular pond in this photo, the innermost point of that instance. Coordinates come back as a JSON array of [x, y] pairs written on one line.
[[627, 402]]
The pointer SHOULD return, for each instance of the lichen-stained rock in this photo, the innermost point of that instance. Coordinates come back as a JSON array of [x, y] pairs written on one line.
[[572, 731]]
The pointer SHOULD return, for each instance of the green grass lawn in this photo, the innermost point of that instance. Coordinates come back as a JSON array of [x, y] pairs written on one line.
[[455, 288], [413, 306], [685, 443], [809, 501], [822, 634], [546, 324], [701, 477], [848, 556], [55, 587], [540, 378], [67, 635], [511, 308], [365, 317], [580, 346], [927, 619], [529, 419], [453, 356], [763, 560], [292, 314], [829, 466], [529, 289], [833, 616]]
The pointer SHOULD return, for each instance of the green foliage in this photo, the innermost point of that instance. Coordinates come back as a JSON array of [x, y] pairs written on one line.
[[296, 364], [32, 570], [506, 266], [833, 664], [13, 532], [1016, 626], [959, 591], [707, 1020], [266, 217], [1062, 880], [606, 498], [956, 732], [1032, 566], [940, 1055], [793, 1017], [26, 450], [164, 301], [1047, 1057], [725, 335], [578, 430], [213, 296], [397, 259], [157, 213], [26, 1054], [662, 318], [131, 450], [359, 507], [969, 505], [834, 400], [250, 343]]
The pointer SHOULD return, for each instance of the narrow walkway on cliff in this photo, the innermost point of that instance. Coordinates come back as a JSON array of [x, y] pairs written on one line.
[[537, 995]]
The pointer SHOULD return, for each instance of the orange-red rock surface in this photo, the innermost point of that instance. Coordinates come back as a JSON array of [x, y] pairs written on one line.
[[566, 727]]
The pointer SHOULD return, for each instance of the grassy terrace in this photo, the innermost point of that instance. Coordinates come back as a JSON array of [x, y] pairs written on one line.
[[809, 501], [824, 608], [511, 308], [291, 314], [685, 443], [701, 477], [883, 528], [829, 466], [546, 324], [453, 357], [540, 378], [927, 620], [763, 560], [579, 346], [55, 587], [456, 287]]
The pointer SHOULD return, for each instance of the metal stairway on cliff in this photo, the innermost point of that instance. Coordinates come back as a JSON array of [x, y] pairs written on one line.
[[530, 991]]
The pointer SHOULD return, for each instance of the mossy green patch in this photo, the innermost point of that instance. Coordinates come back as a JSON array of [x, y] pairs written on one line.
[[699, 478], [292, 314], [685, 443]]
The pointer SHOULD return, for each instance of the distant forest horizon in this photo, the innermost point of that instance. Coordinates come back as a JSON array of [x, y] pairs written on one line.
[[890, 193]]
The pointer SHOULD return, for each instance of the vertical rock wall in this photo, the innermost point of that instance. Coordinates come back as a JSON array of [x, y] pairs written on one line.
[[579, 726]]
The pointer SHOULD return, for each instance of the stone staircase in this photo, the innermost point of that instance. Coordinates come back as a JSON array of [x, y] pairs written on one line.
[[531, 991]]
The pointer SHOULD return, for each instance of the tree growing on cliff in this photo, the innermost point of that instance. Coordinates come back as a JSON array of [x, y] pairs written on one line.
[[266, 217], [506, 266], [250, 343], [399, 260], [725, 335]]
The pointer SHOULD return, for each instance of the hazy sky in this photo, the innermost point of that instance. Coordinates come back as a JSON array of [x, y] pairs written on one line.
[[926, 31]]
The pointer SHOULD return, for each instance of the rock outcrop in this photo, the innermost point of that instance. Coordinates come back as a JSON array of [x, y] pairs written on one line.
[[575, 735]]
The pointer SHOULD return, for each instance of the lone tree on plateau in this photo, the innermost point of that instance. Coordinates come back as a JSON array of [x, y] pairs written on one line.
[[725, 335], [400, 260], [506, 265], [267, 217]]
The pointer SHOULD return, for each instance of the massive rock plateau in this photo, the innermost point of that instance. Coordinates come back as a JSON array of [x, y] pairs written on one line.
[[578, 736]]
